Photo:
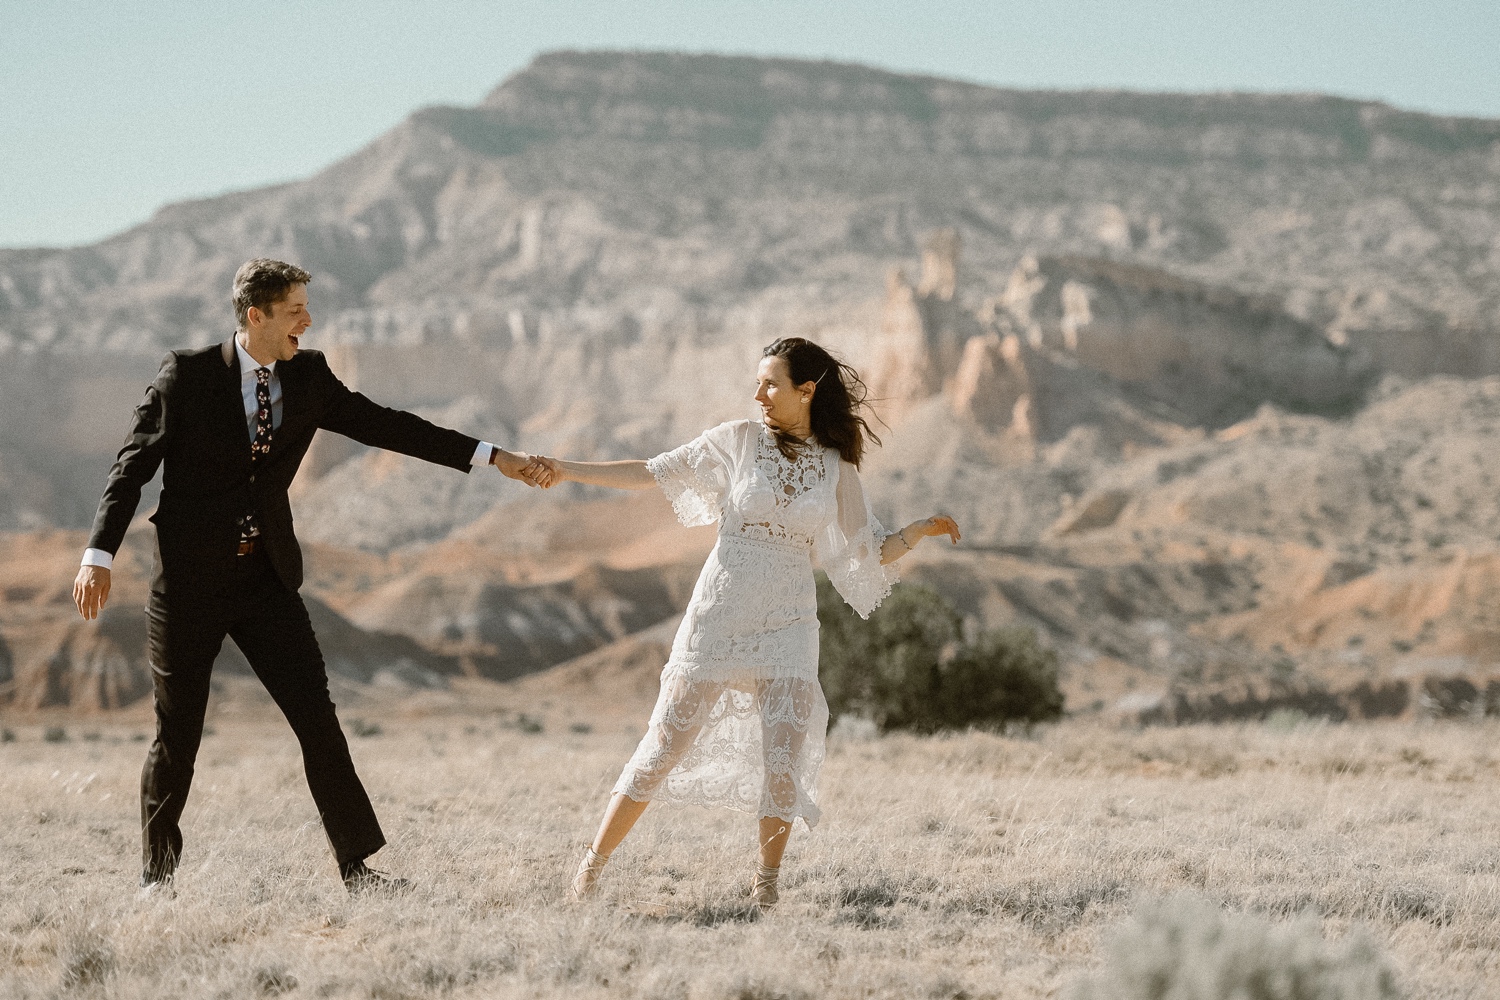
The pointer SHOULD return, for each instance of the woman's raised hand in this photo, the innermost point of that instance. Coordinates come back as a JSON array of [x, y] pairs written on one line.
[[903, 541], [940, 524]]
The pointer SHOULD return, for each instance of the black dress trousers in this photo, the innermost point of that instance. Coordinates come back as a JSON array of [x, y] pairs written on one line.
[[269, 623]]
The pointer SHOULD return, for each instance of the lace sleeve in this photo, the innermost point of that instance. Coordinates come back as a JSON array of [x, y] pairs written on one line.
[[695, 477], [848, 548]]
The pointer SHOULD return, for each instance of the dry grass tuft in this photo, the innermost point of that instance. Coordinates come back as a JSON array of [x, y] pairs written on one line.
[[971, 865], [86, 958], [273, 980], [1048, 905]]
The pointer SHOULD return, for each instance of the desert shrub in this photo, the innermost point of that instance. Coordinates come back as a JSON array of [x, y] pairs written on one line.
[[1186, 948], [908, 667], [1449, 697], [1002, 676], [883, 668]]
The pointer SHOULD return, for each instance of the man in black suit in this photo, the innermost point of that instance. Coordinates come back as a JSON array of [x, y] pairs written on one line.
[[229, 426]]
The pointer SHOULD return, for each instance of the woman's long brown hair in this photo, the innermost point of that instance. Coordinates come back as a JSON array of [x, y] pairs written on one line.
[[836, 404]]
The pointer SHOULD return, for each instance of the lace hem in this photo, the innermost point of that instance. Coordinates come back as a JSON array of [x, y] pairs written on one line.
[[694, 501], [807, 811], [858, 576], [755, 748]]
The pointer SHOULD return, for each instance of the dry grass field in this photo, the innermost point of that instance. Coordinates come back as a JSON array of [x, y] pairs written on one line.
[[967, 866]]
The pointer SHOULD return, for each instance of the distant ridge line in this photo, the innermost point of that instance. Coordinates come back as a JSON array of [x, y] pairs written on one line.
[[578, 72]]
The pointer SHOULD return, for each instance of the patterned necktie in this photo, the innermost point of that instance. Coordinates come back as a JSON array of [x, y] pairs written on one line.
[[260, 446]]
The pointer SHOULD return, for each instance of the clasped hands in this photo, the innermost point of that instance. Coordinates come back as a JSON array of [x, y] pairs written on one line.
[[533, 470], [543, 471]]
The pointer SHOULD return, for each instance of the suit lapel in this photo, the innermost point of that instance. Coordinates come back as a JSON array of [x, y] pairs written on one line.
[[289, 374]]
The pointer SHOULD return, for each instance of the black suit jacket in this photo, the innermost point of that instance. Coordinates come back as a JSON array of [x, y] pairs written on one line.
[[192, 424]]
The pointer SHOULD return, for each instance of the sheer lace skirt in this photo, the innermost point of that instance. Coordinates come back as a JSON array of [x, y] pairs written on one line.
[[740, 720], [750, 744]]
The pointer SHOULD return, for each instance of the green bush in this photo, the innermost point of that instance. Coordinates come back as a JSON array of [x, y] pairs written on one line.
[[1004, 675], [908, 667]]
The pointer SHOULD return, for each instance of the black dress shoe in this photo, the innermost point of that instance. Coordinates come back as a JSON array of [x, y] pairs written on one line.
[[360, 878], [156, 885]]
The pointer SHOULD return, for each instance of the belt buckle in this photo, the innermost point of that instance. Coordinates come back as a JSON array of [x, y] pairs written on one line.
[[248, 547]]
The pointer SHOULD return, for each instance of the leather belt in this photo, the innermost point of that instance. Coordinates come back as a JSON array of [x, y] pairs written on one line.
[[248, 547]]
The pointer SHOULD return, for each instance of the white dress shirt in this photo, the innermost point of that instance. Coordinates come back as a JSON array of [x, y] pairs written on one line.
[[248, 367]]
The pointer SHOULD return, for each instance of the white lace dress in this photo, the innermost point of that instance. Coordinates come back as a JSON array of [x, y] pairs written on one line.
[[741, 720]]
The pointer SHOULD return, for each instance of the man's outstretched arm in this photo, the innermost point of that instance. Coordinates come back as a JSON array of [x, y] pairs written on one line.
[[134, 467], [356, 416]]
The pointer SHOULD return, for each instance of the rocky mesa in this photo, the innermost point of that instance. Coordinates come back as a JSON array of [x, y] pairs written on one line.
[[1184, 366]]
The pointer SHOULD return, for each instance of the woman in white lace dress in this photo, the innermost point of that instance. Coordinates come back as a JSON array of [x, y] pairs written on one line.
[[741, 719]]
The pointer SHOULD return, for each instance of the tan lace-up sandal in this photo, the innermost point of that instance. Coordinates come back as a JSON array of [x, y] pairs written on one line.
[[589, 870], [763, 891]]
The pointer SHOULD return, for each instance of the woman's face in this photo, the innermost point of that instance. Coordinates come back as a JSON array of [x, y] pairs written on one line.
[[781, 403]]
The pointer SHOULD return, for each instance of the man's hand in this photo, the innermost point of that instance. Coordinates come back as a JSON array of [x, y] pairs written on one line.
[[91, 590], [510, 464]]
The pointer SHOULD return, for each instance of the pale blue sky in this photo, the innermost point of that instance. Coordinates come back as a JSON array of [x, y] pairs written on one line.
[[109, 110]]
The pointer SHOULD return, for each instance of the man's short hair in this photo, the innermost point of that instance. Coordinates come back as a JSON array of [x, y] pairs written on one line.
[[262, 282]]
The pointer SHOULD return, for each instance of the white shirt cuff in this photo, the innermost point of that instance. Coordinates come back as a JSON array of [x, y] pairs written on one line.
[[98, 557], [482, 454]]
